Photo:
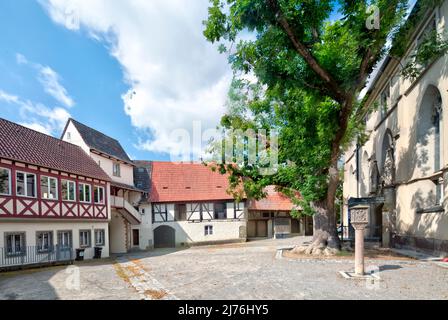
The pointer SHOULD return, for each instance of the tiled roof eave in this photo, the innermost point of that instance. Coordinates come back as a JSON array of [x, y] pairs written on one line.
[[126, 186], [104, 178], [111, 156]]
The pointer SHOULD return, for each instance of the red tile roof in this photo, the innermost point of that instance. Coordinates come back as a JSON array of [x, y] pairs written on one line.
[[32, 147], [184, 182], [274, 201]]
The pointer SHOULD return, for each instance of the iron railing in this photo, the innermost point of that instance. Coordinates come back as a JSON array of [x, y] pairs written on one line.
[[32, 255]]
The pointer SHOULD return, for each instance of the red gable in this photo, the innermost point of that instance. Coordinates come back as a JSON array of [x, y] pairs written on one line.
[[186, 182], [274, 201], [32, 147]]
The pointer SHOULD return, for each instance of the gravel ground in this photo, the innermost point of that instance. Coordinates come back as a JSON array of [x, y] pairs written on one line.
[[241, 271]]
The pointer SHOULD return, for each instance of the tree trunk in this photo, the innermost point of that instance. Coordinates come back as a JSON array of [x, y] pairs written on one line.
[[325, 239], [325, 233]]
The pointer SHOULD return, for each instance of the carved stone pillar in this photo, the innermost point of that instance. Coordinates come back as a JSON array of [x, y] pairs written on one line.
[[359, 221]]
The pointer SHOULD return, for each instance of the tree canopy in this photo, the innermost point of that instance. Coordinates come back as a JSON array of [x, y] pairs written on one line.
[[310, 68]]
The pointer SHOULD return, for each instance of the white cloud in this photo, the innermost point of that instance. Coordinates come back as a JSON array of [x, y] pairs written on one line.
[[21, 59], [176, 76], [8, 98], [37, 127], [36, 115], [50, 81]]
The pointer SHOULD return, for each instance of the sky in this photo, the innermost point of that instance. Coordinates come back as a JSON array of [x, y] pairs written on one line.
[[138, 71]]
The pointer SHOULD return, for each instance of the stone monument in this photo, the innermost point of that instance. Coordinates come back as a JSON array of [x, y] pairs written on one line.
[[359, 221], [359, 218]]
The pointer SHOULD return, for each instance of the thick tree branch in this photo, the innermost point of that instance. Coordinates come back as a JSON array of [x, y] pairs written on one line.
[[337, 93]]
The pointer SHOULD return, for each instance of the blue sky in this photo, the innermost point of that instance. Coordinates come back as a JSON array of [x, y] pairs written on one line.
[[88, 72], [131, 85], [139, 71]]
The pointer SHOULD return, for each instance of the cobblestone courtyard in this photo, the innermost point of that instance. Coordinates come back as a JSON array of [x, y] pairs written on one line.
[[245, 271]]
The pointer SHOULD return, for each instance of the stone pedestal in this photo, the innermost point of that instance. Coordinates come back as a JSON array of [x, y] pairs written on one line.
[[359, 249], [359, 218], [359, 221]]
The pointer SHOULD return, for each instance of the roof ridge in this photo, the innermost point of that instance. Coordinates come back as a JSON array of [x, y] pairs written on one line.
[[65, 155], [102, 133], [40, 133]]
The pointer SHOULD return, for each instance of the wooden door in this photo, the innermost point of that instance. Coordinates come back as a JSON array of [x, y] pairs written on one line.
[[295, 226], [135, 237], [252, 229], [262, 229], [164, 237]]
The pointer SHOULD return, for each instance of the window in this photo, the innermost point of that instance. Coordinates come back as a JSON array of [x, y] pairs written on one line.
[[85, 192], [69, 135], [44, 241], [220, 211], [116, 169], [65, 240], [68, 190], [5, 181], [99, 195], [266, 215], [26, 184], [384, 100], [15, 244], [180, 212], [100, 237], [48, 188], [208, 230], [84, 238]]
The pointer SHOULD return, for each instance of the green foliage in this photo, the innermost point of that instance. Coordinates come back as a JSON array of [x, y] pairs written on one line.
[[290, 96], [432, 47]]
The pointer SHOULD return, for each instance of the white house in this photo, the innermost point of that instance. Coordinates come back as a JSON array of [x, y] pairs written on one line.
[[125, 198]]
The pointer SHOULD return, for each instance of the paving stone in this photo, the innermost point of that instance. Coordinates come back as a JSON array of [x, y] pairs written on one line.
[[240, 271]]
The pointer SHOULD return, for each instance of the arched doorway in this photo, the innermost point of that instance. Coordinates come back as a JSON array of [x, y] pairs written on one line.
[[164, 237]]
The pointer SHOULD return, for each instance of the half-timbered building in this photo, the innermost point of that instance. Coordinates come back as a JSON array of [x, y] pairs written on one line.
[[190, 205], [272, 217], [125, 197], [53, 199]]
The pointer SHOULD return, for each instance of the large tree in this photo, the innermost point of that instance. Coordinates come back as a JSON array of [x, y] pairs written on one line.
[[310, 69]]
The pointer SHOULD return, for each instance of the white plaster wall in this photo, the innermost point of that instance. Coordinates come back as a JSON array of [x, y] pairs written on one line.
[[126, 171], [119, 228], [75, 137], [145, 228], [190, 232], [31, 227]]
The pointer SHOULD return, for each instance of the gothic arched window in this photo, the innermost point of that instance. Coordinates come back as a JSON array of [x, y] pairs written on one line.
[[429, 140]]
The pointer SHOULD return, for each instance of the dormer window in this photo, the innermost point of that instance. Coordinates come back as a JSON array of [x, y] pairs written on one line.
[[116, 170]]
